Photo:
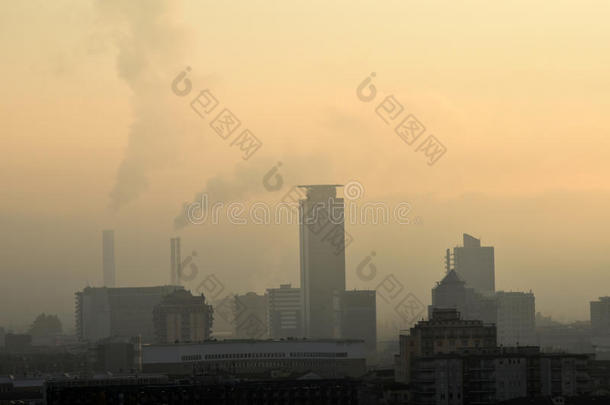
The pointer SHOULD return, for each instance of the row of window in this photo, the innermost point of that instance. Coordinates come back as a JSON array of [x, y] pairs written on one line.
[[226, 356]]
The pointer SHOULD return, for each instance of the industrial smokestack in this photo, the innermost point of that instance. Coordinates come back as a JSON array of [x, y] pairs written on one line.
[[108, 265], [175, 261]]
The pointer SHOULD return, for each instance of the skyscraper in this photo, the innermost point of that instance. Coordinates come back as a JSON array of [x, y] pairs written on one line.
[[322, 244], [475, 265], [108, 265]]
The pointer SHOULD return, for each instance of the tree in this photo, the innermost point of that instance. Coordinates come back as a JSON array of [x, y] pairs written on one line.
[[45, 325]]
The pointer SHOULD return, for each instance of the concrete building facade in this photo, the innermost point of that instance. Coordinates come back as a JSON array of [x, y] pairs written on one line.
[[284, 314], [516, 320], [182, 317], [102, 312], [326, 358], [322, 260]]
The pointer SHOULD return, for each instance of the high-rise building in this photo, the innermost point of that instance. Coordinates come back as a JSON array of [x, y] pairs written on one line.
[[359, 317], [250, 316], [516, 319], [284, 315], [108, 264], [445, 332], [322, 259], [182, 317], [175, 261], [118, 312], [474, 264], [600, 316], [451, 292]]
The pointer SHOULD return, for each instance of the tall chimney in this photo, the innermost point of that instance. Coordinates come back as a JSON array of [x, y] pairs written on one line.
[[175, 261], [108, 265]]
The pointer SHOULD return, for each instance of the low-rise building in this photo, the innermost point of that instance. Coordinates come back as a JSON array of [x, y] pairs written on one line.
[[326, 358], [489, 376], [118, 312]]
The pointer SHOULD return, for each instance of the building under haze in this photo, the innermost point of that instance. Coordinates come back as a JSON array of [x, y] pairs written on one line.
[[284, 315], [250, 316], [516, 321], [600, 316], [474, 264], [102, 312], [182, 317], [327, 358], [452, 292], [108, 264], [322, 260], [359, 317]]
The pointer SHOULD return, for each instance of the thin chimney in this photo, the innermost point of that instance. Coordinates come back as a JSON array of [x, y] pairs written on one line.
[[108, 264]]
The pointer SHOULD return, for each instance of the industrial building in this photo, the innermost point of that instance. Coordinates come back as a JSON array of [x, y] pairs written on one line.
[[102, 312], [326, 358]]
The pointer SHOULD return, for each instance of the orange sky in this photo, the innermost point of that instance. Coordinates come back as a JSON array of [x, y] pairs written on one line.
[[517, 92]]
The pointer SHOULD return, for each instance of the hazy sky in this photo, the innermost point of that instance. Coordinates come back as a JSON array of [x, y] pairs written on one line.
[[92, 137]]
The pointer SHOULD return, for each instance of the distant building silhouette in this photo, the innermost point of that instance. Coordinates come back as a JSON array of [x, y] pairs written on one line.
[[359, 317], [474, 264], [516, 322], [182, 317], [108, 263], [284, 314], [452, 292], [600, 316], [322, 260], [118, 312], [250, 316]]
